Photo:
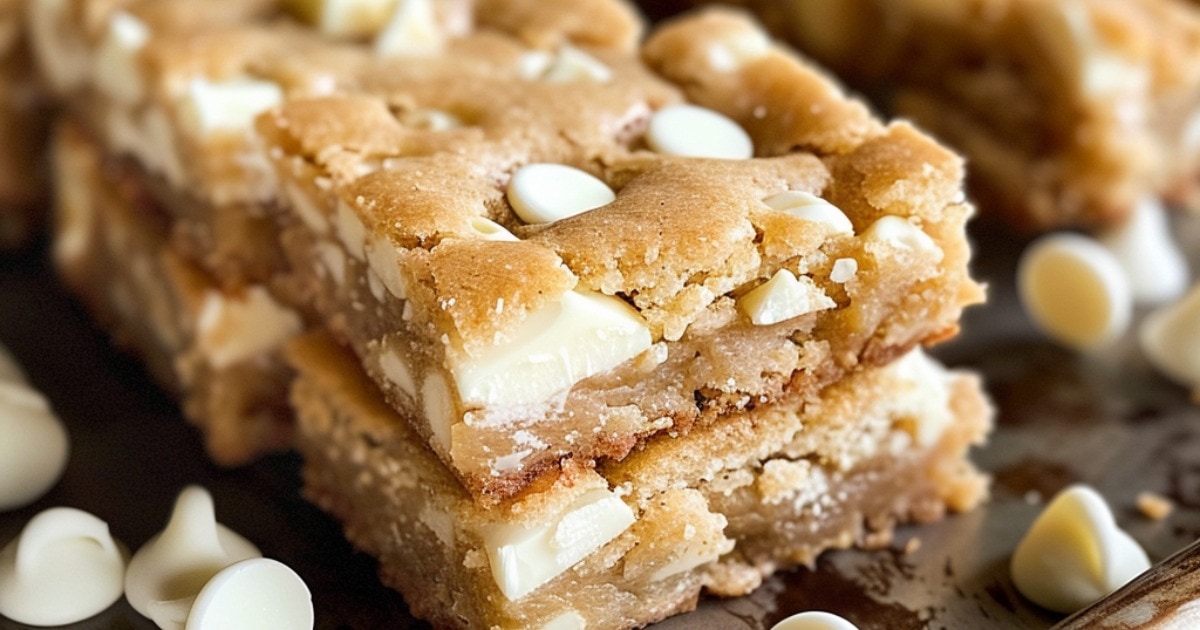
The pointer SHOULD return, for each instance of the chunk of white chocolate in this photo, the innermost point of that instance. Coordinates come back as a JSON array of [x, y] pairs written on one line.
[[412, 31], [116, 71], [814, 620], [524, 558], [231, 329], [253, 594], [585, 333], [783, 297], [176, 563], [1170, 339], [209, 107], [568, 65], [63, 568], [344, 18], [544, 193], [1156, 268], [489, 230], [693, 131], [810, 207], [33, 442], [844, 270], [1074, 553], [1074, 290], [900, 233]]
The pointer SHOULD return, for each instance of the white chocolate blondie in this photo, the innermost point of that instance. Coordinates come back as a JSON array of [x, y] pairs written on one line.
[[557, 271], [633, 542], [1070, 111]]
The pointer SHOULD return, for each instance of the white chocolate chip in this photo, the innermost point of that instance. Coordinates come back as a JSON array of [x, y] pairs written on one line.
[[333, 259], [900, 233], [844, 270], [252, 594], [1074, 290], [571, 65], [490, 230], [544, 193], [810, 207], [783, 297], [736, 49], [383, 260], [555, 347], [116, 70], [412, 31], [1170, 339], [64, 567], [176, 563], [1145, 249], [396, 369], [210, 107], [233, 329], [430, 119], [439, 409], [351, 231], [1074, 553], [33, 441], [570, 620], [345, 18], [524, 558], [305, 208], [692, 131], [814, 620]]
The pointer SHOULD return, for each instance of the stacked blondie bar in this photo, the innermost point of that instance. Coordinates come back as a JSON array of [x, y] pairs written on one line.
[[1071, 112], [570, 323]]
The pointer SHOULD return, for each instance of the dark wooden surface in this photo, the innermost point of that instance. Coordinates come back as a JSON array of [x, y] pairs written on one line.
[[1104, 419]]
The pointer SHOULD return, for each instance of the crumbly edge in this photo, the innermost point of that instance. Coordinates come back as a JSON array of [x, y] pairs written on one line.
[[1102, 98], [115, 255], [397, 501]]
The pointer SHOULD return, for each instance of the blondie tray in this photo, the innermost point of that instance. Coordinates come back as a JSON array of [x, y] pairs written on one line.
[[633, 542], [1070, 111]]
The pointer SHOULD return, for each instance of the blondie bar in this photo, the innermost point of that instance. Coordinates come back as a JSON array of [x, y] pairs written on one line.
[[635, 541], [437, 220], [1070, 111]]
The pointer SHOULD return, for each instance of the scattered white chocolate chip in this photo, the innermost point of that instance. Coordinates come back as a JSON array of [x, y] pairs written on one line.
[[176, 563], [692, 131], [344, 18], [585, 333], [524, 558], [412, 31], [252, 594], [383, 259], [116, 70], [844, 270], [1145, 249], [33, 441], [783, 297], [64, 567], [1170, 339], [814, 620], [232, 329], [351, 231], [1074, 290], [568, 65], [1074, 553], [544, 193], [810, 207], [208, 107]]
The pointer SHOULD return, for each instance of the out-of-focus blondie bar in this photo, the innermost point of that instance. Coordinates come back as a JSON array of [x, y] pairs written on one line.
[[817, 241], [24, 119], [1069, 111], [636, 541]]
